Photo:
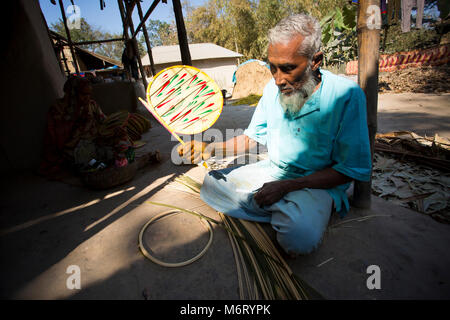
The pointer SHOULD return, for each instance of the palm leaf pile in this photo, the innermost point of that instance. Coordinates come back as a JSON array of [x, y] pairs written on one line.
[[262, 271], [123, 123]]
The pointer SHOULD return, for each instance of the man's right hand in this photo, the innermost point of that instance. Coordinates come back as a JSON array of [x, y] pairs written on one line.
[[195, 151]]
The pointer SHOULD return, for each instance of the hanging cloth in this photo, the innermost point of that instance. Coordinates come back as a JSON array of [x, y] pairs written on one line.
[[407, 6]]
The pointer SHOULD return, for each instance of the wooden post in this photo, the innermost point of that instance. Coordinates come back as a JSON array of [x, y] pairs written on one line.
[[124, 21], [136, 49], [64, 59], [182, 37], [69, 40], [97, 41], [368, 27], [147, 14], [61, 55], [125, 30], [147, 41]]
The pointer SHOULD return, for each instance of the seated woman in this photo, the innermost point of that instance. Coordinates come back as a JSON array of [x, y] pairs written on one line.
[[72, 135]]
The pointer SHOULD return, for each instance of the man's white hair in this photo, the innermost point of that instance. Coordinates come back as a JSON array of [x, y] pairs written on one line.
[[290, 27]]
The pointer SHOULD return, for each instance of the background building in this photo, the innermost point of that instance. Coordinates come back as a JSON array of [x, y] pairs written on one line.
[[217, 62]]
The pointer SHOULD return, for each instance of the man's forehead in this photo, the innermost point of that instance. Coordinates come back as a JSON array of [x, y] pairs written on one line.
[[288, 50]]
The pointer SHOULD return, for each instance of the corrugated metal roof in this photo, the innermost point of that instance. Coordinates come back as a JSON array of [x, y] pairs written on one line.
[[199, 51]]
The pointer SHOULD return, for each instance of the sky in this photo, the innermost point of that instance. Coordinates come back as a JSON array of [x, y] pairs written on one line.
[[108, 19]]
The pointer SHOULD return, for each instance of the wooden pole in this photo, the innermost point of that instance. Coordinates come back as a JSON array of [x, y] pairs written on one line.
[[125, 30], [60, 47], [64, 59], [147, 41], [136, 50], [97, 41], [147, 14], [69, 40], [124, 20], [182, 36], [57, 49], [368, 27]]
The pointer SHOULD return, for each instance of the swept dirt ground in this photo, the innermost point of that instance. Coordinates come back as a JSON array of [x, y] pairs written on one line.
[[47, 226], [425, 114]]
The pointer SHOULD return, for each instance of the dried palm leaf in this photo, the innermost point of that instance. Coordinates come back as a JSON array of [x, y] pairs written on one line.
[[262, 271]]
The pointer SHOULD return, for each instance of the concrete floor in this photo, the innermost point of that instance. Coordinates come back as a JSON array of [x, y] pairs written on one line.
[[48, 226]]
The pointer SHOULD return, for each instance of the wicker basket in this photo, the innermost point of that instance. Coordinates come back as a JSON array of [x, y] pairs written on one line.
[[113, 176], [110, 177]]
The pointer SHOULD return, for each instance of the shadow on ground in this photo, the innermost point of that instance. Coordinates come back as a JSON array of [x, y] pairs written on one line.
[[43, 222], [47, 226], [423, 123]]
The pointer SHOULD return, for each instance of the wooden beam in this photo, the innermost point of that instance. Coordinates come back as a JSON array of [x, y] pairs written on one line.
[[143, 20], [125, 29], [69, 40], [124, 20], [136, 49], [97, 41], [147, 41], [368, 56], [64, 59], [182, 36]]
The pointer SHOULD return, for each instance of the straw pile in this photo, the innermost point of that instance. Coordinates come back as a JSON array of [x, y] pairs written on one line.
[[413, 172], [251, 78], [427, 79], [262, 272]]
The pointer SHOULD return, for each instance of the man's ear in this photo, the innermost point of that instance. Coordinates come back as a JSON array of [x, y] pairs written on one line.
[[316, 60]]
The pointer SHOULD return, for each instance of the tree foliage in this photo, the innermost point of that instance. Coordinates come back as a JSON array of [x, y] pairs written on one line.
[[242, 25], [161, 33], [339, 37], [86, 32]]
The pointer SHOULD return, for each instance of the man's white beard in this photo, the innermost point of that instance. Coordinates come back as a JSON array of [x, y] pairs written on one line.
[[293, 102]]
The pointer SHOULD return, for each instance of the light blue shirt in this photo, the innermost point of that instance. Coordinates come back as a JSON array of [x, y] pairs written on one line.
[[330, 130]]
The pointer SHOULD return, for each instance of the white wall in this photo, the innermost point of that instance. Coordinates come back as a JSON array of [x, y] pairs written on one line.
[[220, 70]]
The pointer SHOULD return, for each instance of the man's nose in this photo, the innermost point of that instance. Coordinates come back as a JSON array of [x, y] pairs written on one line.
[[279, 78]]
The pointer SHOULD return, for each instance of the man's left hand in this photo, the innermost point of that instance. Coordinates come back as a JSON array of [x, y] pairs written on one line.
[[272, 192]]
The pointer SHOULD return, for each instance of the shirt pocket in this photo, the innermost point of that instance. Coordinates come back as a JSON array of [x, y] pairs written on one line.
[[311, 136], [317, 143]]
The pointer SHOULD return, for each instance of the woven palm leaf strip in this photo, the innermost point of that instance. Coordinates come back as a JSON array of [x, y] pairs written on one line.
[[261, 270]]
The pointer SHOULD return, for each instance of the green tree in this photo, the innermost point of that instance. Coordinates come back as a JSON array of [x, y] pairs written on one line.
[[268, 14], [86, 32], [241, 15], [208, 24], [242, 25], [161, 33], [114, 49], [339, 37]]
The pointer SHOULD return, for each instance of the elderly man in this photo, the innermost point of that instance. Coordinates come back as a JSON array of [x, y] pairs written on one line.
[[315, 129]]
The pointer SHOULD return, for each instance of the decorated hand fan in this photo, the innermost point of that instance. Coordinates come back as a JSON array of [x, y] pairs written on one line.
[[184, 99]]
